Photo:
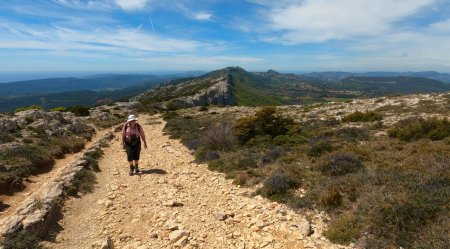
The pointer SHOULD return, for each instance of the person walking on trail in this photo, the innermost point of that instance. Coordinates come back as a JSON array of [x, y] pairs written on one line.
[[132, 133]]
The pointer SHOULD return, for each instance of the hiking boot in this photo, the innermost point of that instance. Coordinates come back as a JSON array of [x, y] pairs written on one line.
[[136, 170], [131, 170]]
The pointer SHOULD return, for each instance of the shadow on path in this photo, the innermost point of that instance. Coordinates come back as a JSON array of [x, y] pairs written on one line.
[[3, 206], [153, 171]]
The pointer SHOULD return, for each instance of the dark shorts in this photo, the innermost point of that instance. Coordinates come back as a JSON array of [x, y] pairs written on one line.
[[133, 151]]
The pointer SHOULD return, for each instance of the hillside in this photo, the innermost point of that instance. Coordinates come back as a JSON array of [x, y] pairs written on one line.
[[235, 86], [296, 176], [337, 76]]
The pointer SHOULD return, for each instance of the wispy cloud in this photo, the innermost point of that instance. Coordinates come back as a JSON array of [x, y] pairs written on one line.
[[63, 38], [131, 5], [325, 20]]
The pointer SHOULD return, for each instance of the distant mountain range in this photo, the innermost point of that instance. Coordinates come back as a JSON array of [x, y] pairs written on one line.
[[228, 86], [235, 86], [94, 83], [337, 76]]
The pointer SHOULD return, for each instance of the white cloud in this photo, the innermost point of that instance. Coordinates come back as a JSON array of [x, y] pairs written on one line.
[[203, 16], [132, 4], [324, 20]]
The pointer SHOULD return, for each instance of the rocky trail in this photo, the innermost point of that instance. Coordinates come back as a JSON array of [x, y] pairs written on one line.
[[176, 203], [35, 183]]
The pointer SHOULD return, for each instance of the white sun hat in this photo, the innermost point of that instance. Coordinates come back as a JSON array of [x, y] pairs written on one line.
[[132, 118]]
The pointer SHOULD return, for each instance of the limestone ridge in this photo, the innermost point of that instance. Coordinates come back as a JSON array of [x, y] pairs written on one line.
[[213, 88]]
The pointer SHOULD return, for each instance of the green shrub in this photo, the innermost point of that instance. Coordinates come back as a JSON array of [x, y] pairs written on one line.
[[352, 134], [343, 231], [277, 185], [78, 110], [72, 190], [341, 164], [29, 157], [5, 137], [244, 129], [272, 154], [29, 120], [245, 163], [71, 144], [223, 165], [170, 115], [27, 140], [21, 240], [203, 155], [84, 181], [368, 116], [91, 163], [58, 109], [289, 140], [31, 107], [95, 154], [416, 128], [447, 140], [318, 146], [265, 122]]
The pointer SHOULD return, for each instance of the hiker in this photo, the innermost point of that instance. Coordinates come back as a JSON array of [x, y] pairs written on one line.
[[132, 133]]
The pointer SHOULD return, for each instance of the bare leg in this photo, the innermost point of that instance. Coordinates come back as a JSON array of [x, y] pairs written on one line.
[[131, 167], [136, 166]]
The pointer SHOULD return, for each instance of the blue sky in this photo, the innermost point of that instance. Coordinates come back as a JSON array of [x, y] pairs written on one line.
[[285, 35]]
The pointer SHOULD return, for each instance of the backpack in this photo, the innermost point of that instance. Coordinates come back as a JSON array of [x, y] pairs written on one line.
[[133, 140]]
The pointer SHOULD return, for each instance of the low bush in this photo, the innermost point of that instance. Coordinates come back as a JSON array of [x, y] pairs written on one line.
[[58, 109], [352, 134], [277, 185], [340, 164], [343, 231], [245, 163], [368, 116], [5, 137], [21, 240], [447, 140], [170, 115], [289, 140], [318, 146], [331, 197], [265, 122], [247, 178], [31, 158], [78, 110], [415, 128], [218, 136], [91, 163], [271, 155], [204, 155], [95, 153], [223, 165], [26, 108], [84, 182]]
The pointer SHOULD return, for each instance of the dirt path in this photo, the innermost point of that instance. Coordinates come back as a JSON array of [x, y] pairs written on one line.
[[176, 203], [36, 182]]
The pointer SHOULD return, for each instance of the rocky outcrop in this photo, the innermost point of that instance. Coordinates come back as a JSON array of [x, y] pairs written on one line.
[[38, 211], [112, 112], [215, 89]]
